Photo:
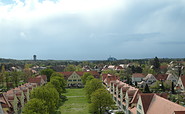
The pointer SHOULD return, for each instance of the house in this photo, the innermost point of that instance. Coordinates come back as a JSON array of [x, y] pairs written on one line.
[[137, 77], [5, 105], [181, 83], [131, 100], [161, 77], [74, 78], [1, 110], [172, 78], [107, 78], [13, 100], [40, 80], [155, 104], [150, 78]]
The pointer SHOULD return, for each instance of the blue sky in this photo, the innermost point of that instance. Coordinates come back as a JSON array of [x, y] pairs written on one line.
[[92, 29]]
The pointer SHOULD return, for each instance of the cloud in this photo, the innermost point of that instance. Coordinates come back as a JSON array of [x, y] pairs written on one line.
[[91, 29]]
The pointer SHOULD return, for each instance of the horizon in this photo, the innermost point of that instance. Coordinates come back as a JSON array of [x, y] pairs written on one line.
[[90, 59], [92, 29]]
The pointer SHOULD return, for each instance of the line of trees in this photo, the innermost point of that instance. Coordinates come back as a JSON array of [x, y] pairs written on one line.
[[97, 95], [46, 99]]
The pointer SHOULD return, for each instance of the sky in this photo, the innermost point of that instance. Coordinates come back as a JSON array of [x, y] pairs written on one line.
[[92, 29]]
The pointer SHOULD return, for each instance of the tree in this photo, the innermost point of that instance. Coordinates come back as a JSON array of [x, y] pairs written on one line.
[[48, 73], [15, 76], [47, 93], [146, 89], [36, 106], [84, 77], [92, 86], [156, 64], [135, 84], [60, 82], [2, 75], [27, 72], [7, 79], [100, 100], [172, 88], [70, 68]]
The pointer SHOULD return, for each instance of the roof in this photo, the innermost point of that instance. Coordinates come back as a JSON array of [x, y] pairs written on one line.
[[80, 73], [35, 80], [146, 100], [161, 76], [179, 112], [183, 80], [160, 105], [39, 79], [138, 75]]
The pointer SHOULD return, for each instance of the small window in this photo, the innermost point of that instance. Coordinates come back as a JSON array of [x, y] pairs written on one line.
[[79, 80], [69, 80], [140, 107], [138, 112], [74, 80]]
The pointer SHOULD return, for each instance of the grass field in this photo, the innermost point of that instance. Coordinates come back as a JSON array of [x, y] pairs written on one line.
[[76, 103]]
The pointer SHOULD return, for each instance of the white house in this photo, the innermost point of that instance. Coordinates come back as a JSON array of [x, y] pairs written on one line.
[[137, 77], [181, 83], [150, 78], [172, 78]]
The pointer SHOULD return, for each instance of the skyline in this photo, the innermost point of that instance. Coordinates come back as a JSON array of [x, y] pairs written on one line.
[[91, 29]]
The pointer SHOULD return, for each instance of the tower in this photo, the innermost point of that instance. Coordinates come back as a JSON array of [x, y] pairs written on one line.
[[34, 57]]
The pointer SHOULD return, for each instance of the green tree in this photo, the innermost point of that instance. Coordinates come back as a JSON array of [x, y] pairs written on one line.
[[89, 78], [58, 78], [146, 89], [7, 80], [48, 73], [2, 75], [70, 68], [15, 76], [92, 86], [36, 106], [100, 100], [48, 94], [27, 72], [84, 77], [156, 64], [172, 88]]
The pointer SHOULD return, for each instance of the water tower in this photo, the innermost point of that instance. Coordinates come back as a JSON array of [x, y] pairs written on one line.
[[34, 57]]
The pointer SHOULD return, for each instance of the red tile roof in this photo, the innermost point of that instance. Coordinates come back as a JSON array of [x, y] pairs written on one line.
[[161, 105], [146, 100], [138, 75], [179, 112], [80, 73], [161, 76], [183, 80]]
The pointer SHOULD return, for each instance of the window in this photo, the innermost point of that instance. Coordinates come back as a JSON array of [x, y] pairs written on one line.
[[74, 80], [69, 80], [140, 107], [138, 112], [79, 80]]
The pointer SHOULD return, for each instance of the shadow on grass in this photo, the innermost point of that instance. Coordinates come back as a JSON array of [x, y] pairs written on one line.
[[61, 102]]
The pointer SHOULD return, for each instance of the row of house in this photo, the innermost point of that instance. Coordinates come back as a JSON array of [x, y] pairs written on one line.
[[13, 101], [150, 78], [132, 101]]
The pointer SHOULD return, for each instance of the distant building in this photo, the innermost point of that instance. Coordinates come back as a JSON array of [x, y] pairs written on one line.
[[34, 57], [112, 59]]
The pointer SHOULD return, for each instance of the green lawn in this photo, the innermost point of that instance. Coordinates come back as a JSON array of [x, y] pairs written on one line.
[[76, 103]]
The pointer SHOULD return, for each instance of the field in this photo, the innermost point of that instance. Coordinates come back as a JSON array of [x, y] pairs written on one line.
[[76, 103]]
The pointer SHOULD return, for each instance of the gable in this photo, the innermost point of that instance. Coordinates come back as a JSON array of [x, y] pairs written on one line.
[[140, 109], [74, 75]]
